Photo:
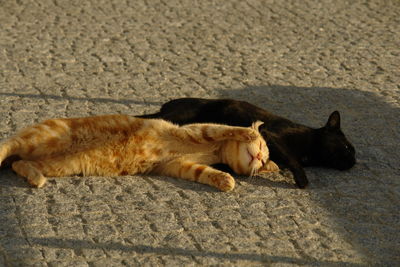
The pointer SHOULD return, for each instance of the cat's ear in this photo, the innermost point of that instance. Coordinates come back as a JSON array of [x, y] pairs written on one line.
[[333, 121], [270, 166], [256, 125]]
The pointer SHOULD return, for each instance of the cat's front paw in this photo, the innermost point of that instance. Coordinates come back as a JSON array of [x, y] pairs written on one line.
[[226, 182], [270, 166], [243, 134], [37, 181]]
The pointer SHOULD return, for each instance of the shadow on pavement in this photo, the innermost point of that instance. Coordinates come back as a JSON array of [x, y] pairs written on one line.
[[89, 99], [146, 249], [364, 200]]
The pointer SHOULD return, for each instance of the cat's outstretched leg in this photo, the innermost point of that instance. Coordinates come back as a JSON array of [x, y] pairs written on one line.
[[280, 154], [43, 139], [196, 172], [31, 171], [35, 171], [208, 132]]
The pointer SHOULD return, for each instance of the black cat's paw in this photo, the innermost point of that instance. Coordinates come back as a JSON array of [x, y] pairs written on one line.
[[301, 179], [302, 183]]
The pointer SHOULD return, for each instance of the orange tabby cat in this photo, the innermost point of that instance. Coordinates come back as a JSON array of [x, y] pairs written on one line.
[[115, 145]]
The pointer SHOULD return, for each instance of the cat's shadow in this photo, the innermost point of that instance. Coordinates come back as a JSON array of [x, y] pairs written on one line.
[[270, 181], [158, 182], [312, 105], [254, 181], [9, 179], [371, 123]]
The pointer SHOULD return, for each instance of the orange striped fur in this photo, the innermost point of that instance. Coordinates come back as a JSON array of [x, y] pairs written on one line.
[[113, 145]]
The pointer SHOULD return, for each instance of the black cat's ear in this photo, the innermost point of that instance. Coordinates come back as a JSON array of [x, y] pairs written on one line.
[[334, 120]]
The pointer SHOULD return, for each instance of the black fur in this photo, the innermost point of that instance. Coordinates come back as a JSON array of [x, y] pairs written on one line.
[[291, 145]]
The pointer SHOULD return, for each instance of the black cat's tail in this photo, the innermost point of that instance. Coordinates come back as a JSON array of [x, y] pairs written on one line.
[[166, 108], [150, 116], [173, 116], [180, 111]]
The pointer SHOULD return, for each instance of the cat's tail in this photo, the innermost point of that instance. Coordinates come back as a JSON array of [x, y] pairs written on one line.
[[150, 116]]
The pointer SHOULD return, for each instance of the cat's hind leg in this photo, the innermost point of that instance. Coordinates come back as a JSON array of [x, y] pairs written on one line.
[[35, 171], [196, 172], [8, 148], [40, 140], [31, 171]]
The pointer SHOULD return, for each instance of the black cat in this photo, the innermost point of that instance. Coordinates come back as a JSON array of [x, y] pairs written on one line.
[[291, 145]]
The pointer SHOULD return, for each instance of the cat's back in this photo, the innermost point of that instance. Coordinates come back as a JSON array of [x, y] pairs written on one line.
[[225, 111]]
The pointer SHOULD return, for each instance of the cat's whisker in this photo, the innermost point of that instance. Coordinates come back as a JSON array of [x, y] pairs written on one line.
[[253, 172]]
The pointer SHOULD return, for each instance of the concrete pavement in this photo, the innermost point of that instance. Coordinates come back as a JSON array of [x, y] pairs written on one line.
[[301, 59]]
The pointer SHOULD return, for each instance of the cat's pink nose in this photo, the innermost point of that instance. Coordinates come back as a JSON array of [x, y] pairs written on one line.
[[259, 156]]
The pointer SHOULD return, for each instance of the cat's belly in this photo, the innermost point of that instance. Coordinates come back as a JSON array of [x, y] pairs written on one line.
[[122, 161], [117, 167]]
